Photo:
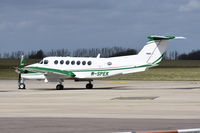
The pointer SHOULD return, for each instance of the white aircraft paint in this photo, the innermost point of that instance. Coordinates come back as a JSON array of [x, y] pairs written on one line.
[[56, 69]]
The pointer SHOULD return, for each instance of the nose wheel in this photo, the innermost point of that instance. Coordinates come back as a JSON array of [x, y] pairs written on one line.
[[89, 85], [22, 86], [59, 87]]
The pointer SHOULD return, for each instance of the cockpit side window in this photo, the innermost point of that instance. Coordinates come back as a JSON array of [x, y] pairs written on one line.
[[46, 61]]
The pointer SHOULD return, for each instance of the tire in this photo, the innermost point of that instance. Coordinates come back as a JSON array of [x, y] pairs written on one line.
[[89, 86], [59, 87], [22, 86]]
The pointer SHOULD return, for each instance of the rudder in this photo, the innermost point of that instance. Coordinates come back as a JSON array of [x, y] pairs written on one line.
[[153, 52]]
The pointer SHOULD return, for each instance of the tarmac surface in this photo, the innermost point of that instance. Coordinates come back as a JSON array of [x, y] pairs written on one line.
[[112, 106]]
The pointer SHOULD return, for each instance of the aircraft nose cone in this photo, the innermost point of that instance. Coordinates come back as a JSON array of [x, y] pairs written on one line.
[[32, 65]]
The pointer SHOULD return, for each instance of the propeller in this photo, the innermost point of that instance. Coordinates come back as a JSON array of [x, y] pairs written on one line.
[[19, 69]]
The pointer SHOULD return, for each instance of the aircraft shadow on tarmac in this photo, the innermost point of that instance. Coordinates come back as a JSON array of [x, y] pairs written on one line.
[[98, 88], [4, 91], [189, 88], [111, 88]]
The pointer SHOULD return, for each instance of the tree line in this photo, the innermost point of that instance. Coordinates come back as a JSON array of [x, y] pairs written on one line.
[[194, 55], [93, 52]]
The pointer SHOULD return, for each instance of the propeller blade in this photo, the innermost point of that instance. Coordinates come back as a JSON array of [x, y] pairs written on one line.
[[19, 78], [17, 69]]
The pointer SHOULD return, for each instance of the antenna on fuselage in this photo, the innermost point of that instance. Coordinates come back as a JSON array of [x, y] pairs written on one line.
[[98, 56]]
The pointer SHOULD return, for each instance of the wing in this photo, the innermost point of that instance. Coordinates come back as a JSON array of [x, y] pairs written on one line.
[[52, 74]]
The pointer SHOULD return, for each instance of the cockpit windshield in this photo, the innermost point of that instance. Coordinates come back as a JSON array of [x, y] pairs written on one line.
[[41, 62]]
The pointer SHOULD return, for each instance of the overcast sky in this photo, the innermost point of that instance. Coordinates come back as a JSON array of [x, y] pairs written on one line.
[[54, 24]]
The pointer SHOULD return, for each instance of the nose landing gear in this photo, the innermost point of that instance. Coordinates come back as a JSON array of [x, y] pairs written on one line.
[[21, 84]]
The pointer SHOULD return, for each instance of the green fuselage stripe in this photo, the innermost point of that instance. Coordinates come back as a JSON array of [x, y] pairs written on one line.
[[25, 71], [70, 72], [113, 69]]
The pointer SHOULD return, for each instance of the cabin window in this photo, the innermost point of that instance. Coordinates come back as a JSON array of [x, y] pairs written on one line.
[[109, 63], [78, 62], [89, 63], [61, 62], [84, 62], [73, 62], [67, 62], [46, 61], [56, 62]]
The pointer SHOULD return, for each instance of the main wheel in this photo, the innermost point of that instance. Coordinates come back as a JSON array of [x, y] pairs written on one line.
[[59, 87], [89, 86], [22, 86]]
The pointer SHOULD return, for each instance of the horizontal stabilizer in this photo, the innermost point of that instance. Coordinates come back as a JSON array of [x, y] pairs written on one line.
[[155, 37]]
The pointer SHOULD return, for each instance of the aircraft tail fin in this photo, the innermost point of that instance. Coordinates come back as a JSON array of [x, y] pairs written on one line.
[[153, 51]]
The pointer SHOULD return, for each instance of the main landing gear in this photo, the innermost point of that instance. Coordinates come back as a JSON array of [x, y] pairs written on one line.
[[59, 86], [89, 85]]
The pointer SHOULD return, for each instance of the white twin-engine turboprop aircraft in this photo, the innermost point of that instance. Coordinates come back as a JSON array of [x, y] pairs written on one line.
[[56, 69]]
